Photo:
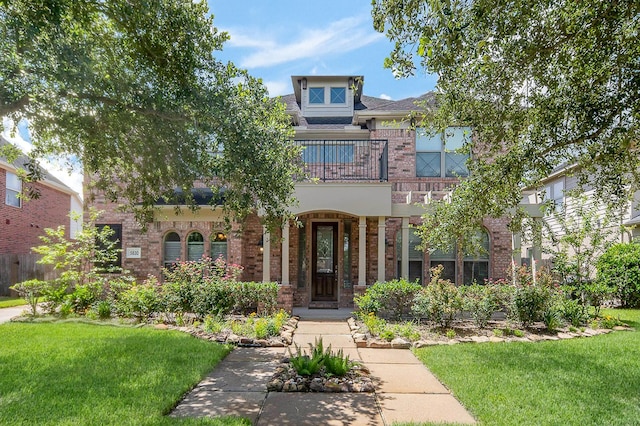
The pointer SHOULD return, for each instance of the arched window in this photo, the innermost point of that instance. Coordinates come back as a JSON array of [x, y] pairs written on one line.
[[172, 249], [195, 246], [448, 260], [218, 245], [476, 265], [416, 256]]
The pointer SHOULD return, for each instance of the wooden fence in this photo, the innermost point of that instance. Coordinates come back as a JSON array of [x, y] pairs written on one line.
[[15, 268]]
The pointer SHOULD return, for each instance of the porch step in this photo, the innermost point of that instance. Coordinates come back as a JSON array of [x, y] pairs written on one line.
[[323, 305]]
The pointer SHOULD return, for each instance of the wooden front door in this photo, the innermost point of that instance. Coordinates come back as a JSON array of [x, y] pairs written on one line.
[[324, 261]]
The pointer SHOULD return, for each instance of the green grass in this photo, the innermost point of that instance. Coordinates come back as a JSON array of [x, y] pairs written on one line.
[[73, 373], [590, 381], [8, 302]]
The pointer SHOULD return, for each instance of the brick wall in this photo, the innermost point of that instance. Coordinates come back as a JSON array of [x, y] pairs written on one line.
[[20, 227]]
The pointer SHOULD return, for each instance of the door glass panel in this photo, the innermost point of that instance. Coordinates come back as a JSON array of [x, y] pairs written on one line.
[[324, 241]]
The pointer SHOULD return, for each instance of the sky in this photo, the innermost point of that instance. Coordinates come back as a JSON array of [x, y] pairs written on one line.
[[274, 40]]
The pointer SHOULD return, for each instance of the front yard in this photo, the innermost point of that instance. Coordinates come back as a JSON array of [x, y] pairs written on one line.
[[587, 381], [72, 373]]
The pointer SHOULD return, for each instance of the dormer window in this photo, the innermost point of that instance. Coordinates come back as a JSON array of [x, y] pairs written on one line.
[[316, 95], [338, 95]]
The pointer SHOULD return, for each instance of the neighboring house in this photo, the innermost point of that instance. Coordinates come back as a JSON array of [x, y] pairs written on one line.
[[375, 177], [558, 191], [22, 222]]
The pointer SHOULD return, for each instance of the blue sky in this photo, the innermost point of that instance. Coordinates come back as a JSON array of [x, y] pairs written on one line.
[[277, 39]]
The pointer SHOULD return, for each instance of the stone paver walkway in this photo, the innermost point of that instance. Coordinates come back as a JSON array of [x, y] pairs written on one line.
[[406, 391]]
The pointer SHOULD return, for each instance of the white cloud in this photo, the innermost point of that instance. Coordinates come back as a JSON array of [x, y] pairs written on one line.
[[278, 88], [340, 36], [385, 96]]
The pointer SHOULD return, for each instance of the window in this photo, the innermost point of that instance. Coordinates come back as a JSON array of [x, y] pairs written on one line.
[[172, 249], [346, 258], [435, 156], [338, 95], [14, 189], [476, 265], [195, 246], [116, 237], [416, 256], [316, 95], [447, 260], [331, 153], [218, 245], [555, 193]]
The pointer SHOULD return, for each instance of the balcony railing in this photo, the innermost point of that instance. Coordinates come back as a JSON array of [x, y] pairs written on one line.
[[350, 159]]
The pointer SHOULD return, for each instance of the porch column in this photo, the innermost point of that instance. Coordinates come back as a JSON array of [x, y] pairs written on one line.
[[266, 255], [362, 251], [285, 253], [381, 247], [516, 246], [404, 267]]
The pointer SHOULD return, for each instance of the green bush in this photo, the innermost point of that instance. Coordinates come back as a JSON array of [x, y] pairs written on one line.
[[574, 312], [439, 301], [140, 300], [619, 268], [391, 299], [336, 364], [31, 291], [480, 301], [529, 302]]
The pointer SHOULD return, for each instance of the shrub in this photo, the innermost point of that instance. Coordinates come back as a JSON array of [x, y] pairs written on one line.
[[85, 295], [103, 308], [140, 300], [31, 291], [551, 318], [574, 312], [254, 297], [439, 301], [619, 268], [529, 303], [597, 292], [481, 301], [392, 299], [375, 324]]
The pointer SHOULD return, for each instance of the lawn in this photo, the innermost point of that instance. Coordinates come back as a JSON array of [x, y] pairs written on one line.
[[8, 302], [73, 373], [588, 381]]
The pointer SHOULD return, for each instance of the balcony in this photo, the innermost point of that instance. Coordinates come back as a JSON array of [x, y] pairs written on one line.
[[346, 160]]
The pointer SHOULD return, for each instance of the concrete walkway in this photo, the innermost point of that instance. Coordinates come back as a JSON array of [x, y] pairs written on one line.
[[405, 389], [7, 313]]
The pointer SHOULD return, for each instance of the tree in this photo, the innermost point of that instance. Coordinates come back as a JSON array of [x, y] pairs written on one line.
[[132, 91], [541, 83]]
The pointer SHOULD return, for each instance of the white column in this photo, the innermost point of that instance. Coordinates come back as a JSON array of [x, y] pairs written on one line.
[[266, 255], [381, 248], [362, 251], [285, 253], [516, 247], [404, 267]]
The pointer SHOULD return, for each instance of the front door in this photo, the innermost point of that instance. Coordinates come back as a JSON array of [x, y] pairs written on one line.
[[325, 262]]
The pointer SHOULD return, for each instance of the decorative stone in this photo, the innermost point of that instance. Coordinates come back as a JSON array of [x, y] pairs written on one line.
[[496, 339], [379, 344], [332, 387], [275, 385], [289, 386], [480, 339], [399, 343], [620, 328], [424, 343], [565, 336], [359, 336], [161, 327], [316, 385]]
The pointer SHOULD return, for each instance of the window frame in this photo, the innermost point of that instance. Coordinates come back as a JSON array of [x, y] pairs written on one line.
[[415, 256], [168, 263], [313, 98], [443, 153], [344, 95], [15, 191], [216, 241]]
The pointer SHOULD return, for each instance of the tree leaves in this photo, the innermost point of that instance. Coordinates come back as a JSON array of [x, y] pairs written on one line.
[[132, 89], [541, 83]]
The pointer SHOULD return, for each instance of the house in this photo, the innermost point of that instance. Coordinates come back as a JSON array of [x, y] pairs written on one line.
[[22, 222], [375, 176], [565, 196]]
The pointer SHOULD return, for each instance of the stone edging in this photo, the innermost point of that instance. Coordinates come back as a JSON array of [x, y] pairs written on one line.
[[284, 339], [364, 340]]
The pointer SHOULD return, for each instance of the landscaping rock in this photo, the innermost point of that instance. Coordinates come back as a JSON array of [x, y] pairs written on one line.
[[399, 343], [565, 336], [379, 344]]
